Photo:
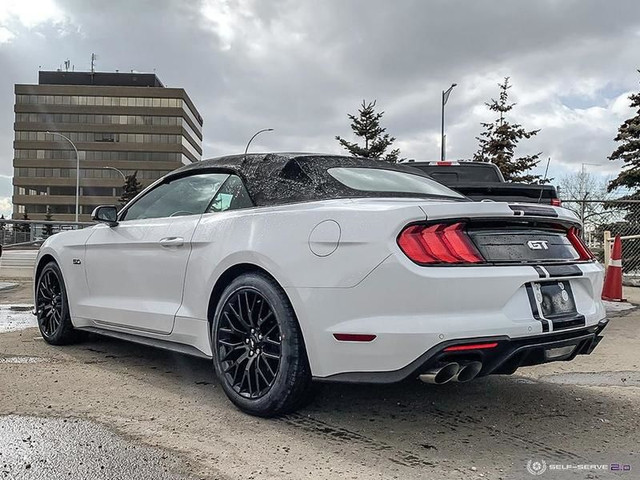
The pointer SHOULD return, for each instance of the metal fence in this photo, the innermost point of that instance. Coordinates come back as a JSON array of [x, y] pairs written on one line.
[[603, 220], [31, 233]]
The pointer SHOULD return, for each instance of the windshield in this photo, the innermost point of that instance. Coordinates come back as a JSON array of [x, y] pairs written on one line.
[[380, 180]]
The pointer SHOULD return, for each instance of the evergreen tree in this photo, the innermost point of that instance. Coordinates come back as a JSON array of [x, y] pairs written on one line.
[[131, 188], [498, 142], [47, 230], [628, 151], [366, 125], [24, 227]]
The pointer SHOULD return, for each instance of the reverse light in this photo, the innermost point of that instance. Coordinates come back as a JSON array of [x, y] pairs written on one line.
[[574, 237], [471, 346], [438, 244]]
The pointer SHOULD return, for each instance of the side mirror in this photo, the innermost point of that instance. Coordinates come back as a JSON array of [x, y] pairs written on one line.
[[105, 214]]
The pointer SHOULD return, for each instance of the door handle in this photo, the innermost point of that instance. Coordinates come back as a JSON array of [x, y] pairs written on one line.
[[171, 242]]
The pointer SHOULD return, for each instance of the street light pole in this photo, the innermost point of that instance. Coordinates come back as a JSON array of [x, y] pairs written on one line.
[[254, 136], [121, 173], [445, 97], [124, 177], [77, 168]]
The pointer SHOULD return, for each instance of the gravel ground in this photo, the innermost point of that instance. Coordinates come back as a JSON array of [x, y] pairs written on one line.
[[163, 415]]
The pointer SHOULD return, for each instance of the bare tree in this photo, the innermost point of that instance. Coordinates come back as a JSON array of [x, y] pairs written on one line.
[[587, 196]]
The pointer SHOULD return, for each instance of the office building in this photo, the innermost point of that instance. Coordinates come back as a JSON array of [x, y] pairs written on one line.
[[119, 122]]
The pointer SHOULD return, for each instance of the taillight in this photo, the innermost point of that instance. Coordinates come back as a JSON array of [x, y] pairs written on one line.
[[440, 243], [574, 237], [556, 202]]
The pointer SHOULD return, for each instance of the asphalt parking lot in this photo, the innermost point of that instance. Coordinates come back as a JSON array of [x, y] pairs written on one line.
[[109, 409]]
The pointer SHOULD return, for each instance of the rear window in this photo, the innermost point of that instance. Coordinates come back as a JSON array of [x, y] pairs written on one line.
[[379, 180]]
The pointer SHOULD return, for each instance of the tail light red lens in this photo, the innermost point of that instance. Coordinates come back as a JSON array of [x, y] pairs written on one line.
[[438, 244], [556, 202], [574, 237]]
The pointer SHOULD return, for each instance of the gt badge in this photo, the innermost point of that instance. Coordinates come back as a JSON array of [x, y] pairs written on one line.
[[77, 261], [538, 244]]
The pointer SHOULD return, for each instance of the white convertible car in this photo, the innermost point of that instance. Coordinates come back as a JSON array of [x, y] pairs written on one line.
[[289, 268]]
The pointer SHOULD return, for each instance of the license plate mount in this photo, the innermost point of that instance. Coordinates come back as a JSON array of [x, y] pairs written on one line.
[[556, 299]]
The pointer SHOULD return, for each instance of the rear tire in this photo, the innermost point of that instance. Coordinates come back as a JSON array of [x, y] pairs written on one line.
[[258, 350], [52, 307]]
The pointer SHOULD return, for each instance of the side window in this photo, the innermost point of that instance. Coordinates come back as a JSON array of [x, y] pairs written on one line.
[[231, 196], [183, 196]]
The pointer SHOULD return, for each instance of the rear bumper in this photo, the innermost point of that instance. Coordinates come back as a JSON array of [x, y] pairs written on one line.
[[411, 309], [505, 358]]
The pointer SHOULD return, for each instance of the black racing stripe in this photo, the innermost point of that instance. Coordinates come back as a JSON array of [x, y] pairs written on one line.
[[534, 308], [575, 321], [541, 273], [563, 271]]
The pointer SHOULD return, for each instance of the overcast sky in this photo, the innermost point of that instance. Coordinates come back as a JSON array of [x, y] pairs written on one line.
[[299, 66]]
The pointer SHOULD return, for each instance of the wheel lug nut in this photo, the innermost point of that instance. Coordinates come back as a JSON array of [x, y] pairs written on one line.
[[259, 337], [246, 340], [258, 351], [251, 353]]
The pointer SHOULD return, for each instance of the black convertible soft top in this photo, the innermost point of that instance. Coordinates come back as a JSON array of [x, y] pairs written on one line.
[[281, 178]]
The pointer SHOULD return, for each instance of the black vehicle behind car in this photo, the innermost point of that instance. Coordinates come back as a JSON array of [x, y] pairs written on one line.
[[484, 181]]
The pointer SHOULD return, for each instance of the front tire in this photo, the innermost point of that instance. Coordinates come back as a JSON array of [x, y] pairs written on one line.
[[258, 349], [52, 307]]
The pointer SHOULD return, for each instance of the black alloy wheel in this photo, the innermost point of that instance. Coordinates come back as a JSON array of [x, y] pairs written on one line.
[[52, 308], [258, 349], [249, 343]]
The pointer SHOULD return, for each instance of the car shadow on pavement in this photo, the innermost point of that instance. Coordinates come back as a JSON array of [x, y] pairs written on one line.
[[414, 424]]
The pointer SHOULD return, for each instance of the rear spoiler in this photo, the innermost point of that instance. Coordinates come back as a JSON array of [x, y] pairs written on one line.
[[533, 211]]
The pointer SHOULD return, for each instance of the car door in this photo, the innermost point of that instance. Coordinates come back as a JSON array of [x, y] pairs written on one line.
[[136, 269]]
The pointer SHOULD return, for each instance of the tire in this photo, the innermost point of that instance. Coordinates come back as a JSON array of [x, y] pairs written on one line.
[[52, 307], [258, 349]]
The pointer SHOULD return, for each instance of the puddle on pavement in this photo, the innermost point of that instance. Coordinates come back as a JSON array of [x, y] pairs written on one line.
[[598, 379], [16, 317], [22, 359]]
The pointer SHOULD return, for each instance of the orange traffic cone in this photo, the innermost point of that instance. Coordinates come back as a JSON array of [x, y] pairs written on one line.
[[612, 290]]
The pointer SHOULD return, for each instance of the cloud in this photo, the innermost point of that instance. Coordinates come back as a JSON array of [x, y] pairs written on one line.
[[300, 66], [18, 15], [6, 207], [5, 34]]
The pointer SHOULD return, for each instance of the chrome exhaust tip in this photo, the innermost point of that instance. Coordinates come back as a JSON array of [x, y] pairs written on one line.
[[468, 371], [440, 374]]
